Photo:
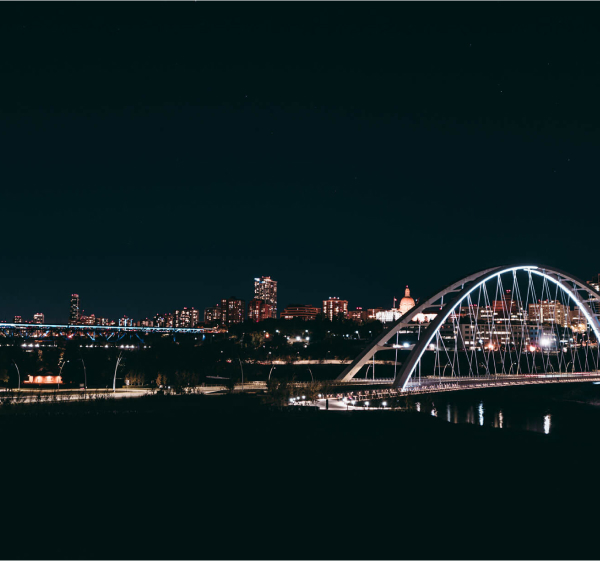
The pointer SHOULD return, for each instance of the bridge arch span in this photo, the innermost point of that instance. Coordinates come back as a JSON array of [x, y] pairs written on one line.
[[455, 294]]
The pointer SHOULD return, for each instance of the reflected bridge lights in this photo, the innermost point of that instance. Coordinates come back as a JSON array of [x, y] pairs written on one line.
[[547, 421]]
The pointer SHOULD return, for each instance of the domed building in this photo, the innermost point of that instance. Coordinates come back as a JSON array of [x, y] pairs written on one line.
[[407, 302]]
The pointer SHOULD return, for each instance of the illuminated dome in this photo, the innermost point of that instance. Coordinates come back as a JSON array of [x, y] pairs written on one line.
[[407, 302]]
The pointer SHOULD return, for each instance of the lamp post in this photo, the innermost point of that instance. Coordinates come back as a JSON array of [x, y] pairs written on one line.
[[311, 375], [18, 374], [242, 369], [116, 368], [272, 368], [84, 375]]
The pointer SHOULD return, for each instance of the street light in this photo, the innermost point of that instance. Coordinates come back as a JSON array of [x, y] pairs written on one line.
[[384, 404], [84, 374], [272, 368], [116, 368], [311, 375], [242, 369], [18, 374]]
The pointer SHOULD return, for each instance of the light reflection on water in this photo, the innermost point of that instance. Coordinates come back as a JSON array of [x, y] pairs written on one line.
[[547, 419], [484, 413]]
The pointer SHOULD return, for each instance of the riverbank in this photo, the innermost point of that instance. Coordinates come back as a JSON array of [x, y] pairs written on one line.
[[201, 477]]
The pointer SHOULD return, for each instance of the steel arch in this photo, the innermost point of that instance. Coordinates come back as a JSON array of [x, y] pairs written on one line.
[[462, 289]]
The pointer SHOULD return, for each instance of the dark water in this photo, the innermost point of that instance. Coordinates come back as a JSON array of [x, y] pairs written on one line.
[[561, 410]]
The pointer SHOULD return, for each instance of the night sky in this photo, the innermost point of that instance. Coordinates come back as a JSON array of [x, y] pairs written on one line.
[[156, 156]]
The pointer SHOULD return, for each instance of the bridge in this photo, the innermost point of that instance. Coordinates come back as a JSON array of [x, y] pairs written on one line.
[[27, 330], [503, 326]]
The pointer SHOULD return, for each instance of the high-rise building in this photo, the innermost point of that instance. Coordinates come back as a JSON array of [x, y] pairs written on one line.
[[188, 317], [74, 310], [18, 319], [163, 320], [212, 315], [125, 322], [303, 311], [38, 318], [259, 310], [233, 310], [182, 318], [265, 289], [335, 308]]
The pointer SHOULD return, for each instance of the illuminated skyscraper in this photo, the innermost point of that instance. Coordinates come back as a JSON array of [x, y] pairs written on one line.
[[74, 310], [38, 318], [265, 289]]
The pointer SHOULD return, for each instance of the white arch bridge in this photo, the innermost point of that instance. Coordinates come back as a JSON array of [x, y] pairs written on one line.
[[503, 324]]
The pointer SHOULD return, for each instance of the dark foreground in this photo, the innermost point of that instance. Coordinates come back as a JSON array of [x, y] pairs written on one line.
[[222, 477]]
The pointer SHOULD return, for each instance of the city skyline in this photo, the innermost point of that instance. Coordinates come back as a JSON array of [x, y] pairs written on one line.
[[254, 309]]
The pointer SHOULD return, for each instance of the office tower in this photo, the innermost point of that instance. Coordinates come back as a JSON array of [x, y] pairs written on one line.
[[233, 310], [265, 289], [74, 310]]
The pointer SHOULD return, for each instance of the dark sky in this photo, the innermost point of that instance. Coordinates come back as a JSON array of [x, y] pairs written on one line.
[[161, 155]]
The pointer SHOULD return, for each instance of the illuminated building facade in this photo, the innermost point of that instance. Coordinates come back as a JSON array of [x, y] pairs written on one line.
[[87, 320], [259, 310], [549, 311], [38, 318], [74, 309], [335, 308], [302, 311], [212, 315], [47, 378], [125, 322], [265, 289], [233, 310], [372, 313], [18, 319], [188, 317], [359, 315], [406, 303]]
